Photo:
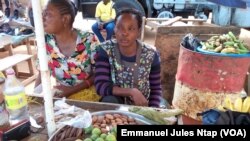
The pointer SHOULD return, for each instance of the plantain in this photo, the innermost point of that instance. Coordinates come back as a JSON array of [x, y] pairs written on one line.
[[218, 49], [242, 51], [228, 104], [229, 50], [246, 105], [238, 104], [231, 35], [221, 108], [242, 47]]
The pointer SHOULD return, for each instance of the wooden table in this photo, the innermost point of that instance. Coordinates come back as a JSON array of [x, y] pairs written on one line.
[[5, 43], [12, 59], [91, 106]]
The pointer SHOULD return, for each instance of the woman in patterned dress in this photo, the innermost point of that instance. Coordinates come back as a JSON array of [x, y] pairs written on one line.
[[127, 70], [70, 52]]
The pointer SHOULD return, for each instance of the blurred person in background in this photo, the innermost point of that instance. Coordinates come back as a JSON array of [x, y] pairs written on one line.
[[105, 15]]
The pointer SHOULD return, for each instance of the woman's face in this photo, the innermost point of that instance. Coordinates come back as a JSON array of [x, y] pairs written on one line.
[[126, 30], [52, 19]]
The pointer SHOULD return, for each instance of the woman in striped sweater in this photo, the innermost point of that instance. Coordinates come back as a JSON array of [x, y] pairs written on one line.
[[127, 70]]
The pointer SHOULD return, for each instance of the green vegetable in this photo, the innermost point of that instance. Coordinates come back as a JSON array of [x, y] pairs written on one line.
[[228, 43], [96, 131], [94, 136], [103, 135], [154, 115], [242, 51], [110, 137], [99, 139], [231, 35], [87, 139], [242, 47], [88, 129]]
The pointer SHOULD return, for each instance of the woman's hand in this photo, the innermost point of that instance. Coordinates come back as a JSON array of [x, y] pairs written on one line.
[[66, 91], [138, 98], [61, 91]]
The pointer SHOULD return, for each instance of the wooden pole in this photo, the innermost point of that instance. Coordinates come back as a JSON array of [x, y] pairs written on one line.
[[43, 62]]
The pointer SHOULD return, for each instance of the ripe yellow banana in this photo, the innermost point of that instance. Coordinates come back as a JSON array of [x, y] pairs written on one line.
[[2, 75], [221, 108], [228, 104], [246, 105], [238, 104]]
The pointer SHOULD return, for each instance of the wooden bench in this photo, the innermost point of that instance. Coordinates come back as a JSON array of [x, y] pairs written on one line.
[[13, 60], [154, 23]]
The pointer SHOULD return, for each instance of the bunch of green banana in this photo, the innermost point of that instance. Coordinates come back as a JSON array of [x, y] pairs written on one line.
[[226, 43], [239, 105]]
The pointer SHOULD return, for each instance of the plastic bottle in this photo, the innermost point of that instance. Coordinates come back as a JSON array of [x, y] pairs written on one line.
[[15, 98], [4, 120]]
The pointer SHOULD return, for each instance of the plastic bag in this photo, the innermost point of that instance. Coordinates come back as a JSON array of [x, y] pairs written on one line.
[[71, 115], [216, 117], [190, 42]]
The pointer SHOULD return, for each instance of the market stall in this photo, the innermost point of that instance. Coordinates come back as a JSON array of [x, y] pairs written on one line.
[[95, 108]]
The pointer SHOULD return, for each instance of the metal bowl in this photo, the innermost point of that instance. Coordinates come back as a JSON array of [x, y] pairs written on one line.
[[140, 119]]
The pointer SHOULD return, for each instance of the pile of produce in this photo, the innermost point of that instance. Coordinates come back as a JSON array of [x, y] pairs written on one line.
[[163, 116], [103, 128], [226, 43], [95, 134], [68, 133], [239, 105]]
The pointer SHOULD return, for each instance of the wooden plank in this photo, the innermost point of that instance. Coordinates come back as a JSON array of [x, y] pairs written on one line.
[[182, 19], [11, 61], [171, 21], [153, 24], [191, 18], [5, 40], [143, 28], [209, 20], [29, 79], [197, 30]]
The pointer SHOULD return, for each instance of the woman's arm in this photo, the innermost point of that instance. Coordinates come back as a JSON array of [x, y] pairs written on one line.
[[155, 83], [66, 91], [103, 82]]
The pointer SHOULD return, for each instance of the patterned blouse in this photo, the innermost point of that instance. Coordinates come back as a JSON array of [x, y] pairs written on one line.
[[141, 71], [72, 70]]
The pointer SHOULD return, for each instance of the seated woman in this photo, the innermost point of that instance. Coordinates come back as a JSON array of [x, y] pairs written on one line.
[[70, 52], [127, 70]]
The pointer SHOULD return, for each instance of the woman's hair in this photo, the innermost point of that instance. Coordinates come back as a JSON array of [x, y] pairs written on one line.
[[65, 7], [130, 11]]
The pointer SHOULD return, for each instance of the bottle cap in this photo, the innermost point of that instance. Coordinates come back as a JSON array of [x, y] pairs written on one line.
[[10, 71]]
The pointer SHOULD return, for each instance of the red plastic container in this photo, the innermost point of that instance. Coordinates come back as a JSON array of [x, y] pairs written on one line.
[[212, 73]]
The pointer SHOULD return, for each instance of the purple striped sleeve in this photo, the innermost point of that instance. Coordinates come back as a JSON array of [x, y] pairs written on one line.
[[103, 82], [155, 83]]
